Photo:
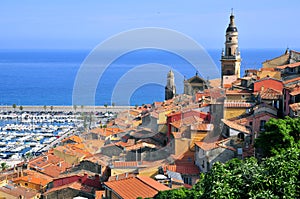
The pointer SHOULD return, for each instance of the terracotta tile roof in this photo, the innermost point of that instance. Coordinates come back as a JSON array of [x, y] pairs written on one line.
[[270, 93], [74, 185], [236, 126], [139, 146], [34, 178], [122, 176], [202, 127], [99, 159], [16, 191], [295, 106], [73, 138], [157, 104], [73, 150], [292, 80], [207, 145], [268, 78], [238, 92], [296, 91], [144, 187], [187, 121], [238, 103], [153, 183], [134, 112], [130, 164], [293, 65], [106, 131], [183, 169]]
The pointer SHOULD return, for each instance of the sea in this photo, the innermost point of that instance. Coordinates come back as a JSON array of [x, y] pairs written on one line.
[[47, 77]]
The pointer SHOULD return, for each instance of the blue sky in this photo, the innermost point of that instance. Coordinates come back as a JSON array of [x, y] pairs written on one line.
[[77, 24]]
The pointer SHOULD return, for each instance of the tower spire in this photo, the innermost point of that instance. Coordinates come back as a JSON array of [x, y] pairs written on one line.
[[230, 59]]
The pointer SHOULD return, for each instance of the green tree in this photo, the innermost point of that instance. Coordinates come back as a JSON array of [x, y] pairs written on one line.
[[279, 134], [274, 177], [14, 106], [51, 108], [21, 108], [4, 166], [105, 105], [45, 107]]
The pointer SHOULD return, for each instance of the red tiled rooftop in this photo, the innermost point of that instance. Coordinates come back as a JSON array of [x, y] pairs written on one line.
[[293, 65], [190, 169], [34, 178], [292, 80], [296, 91], [236, 126], [238, 92], [295, 106], [270, 93], [206, 146], [74, 185], [73, 138], [106, 131], [131, 188], [16, 191]]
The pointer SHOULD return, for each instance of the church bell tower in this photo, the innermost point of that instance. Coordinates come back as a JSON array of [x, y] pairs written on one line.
[[231, 58], [170, 89]]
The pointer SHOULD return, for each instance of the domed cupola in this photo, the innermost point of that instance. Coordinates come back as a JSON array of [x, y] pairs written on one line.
[[231, 26]]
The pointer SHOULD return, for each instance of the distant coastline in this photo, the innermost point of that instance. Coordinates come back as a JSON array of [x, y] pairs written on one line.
[[37, 108]]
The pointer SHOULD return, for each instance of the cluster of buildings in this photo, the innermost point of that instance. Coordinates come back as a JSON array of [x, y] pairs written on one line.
[[166, 145]]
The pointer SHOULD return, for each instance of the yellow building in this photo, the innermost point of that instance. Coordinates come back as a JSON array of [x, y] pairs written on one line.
[[33, 180], [71, 154], [236, 108]]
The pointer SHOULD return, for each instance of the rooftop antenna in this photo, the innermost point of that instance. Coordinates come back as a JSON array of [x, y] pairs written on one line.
[[231, 11]]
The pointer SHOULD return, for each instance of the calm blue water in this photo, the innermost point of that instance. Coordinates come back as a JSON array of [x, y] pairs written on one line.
[[46, 77]]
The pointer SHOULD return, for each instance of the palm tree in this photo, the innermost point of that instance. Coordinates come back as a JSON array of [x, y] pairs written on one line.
[[4, 166], [21, 108], [105, 105], [14, 106], [45, 107], [82, 107], [51, 107]]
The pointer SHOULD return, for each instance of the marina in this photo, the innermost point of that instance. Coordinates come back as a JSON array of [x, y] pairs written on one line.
[[27, 134]]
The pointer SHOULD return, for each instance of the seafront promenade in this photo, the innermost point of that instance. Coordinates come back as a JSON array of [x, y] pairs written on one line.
[[56, 108]]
